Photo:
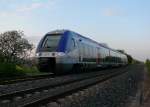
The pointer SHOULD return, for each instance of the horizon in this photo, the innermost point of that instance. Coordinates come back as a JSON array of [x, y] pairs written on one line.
[[120, 24]]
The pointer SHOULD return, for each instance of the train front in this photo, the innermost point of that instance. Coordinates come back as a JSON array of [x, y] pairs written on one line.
[[48, 52]]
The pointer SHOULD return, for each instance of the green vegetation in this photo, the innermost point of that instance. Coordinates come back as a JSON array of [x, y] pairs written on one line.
[[8, 70], [15, 51], [28, 70], [148, 64], [129, 57]]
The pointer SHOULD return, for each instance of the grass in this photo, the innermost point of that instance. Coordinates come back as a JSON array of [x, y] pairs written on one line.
[[148, 65], [9, 70]]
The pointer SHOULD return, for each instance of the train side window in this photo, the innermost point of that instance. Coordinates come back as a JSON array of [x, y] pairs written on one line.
[[73, 42], [84, 50], [72, 45], [87, 50]]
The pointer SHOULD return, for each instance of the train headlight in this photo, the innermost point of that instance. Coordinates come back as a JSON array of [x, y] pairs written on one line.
[[38, 54], [60, 54]]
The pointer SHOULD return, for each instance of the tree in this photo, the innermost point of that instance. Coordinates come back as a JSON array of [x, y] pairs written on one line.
[[122, 51], [13, 46], [147, 60], [129, 57]]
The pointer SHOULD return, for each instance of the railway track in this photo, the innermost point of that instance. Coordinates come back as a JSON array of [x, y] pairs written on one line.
[[53, 88], [26, 78]]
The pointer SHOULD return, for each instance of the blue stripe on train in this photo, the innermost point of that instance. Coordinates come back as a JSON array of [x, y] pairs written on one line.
[[63, 42]]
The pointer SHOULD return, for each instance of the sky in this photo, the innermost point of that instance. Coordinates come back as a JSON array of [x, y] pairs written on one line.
[[122, 24]]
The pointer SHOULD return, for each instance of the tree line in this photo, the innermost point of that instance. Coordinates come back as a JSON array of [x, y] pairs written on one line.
[[14, 47], [148, 64], [129, 57], [15, 55]]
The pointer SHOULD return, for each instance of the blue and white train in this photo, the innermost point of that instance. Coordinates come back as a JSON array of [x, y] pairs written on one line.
[[62, 51]]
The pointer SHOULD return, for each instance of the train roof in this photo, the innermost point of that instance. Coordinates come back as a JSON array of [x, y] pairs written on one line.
[[58, 32], [62, 31]]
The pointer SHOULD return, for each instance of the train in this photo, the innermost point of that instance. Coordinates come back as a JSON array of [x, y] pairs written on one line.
[[62, 51]]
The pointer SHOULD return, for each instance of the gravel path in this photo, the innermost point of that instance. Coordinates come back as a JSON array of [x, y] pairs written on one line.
[[146, 93], [115, 92], [146, 102]]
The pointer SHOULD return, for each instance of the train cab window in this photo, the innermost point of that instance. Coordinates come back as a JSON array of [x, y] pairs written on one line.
[[51, 41], [72, 45], [73, 42]]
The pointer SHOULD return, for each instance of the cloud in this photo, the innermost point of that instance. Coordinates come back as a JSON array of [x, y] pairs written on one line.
[[112, 12], [31, 7], [24, 9], [36, 5], [3, 14], [34, 39]]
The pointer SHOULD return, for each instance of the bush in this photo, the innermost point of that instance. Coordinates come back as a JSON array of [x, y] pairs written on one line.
[[27, 70], [13, 70], [9, 70], [148, 64]]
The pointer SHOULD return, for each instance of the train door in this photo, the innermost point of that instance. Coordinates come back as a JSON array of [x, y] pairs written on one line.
[[80, 50]]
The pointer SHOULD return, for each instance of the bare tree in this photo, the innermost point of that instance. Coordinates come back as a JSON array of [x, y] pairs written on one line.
[[14, 47]]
